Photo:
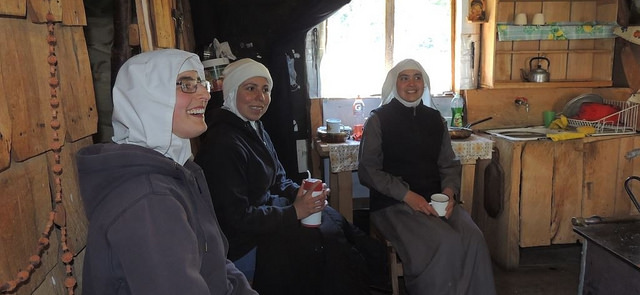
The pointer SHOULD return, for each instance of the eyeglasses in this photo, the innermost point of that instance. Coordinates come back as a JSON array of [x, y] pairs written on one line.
[[191, 86]]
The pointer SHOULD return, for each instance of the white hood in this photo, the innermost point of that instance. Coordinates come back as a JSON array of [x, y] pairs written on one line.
[[144, 96], [389, 91], [235, 74]]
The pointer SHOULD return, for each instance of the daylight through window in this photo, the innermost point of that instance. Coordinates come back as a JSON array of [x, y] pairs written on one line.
[[353, 62]]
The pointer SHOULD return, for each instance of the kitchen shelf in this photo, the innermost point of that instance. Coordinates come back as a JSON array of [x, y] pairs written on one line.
[[555, 31], [551, 84], [574, 61], [545, 51]]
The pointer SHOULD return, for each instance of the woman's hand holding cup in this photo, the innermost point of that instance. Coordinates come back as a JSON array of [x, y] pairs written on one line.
[[310, 201], [418, 203]]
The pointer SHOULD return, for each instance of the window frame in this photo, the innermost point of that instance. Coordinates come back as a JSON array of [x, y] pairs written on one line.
[[389, 37]]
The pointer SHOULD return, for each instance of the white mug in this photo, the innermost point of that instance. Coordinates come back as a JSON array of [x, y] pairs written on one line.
[[538, 19], [520, 19], [439, 202], [333, 125]]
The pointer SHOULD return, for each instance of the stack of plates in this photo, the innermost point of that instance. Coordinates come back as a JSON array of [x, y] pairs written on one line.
[[572, 108]]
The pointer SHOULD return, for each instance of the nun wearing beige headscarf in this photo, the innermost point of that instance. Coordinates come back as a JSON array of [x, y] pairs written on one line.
[[260, 208], [405, 157]]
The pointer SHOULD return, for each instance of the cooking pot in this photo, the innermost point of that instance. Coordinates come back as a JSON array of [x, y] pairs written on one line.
[[538, 74], [464, 132]]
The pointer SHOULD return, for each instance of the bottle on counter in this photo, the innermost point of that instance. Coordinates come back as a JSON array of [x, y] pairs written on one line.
[[358, 117], [457, 106]]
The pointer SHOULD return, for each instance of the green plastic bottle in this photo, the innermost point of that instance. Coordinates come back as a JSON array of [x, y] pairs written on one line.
[[457, 106]]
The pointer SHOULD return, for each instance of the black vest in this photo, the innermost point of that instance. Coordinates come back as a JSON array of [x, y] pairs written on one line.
[[411, 141]]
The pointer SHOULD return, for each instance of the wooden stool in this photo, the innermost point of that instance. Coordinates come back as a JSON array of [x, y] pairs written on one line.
[[395, 265]]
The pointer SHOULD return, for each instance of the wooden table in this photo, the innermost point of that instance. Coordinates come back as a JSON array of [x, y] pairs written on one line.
[[343, 159]]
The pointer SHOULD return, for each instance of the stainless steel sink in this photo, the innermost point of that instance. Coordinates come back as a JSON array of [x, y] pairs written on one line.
[[522, 133]]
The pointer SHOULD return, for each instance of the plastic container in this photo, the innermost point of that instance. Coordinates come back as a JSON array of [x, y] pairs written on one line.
[[358, 111], [457, 108], [213, 72], [358, 117]]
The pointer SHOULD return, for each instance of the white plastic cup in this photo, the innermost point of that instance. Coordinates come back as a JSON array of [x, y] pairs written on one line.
[[439, 202], [315, 219], [213, 72], [520, 19], [538, 19], [333, 125]]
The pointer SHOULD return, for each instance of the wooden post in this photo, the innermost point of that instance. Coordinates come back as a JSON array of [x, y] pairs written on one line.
[[120, 51]]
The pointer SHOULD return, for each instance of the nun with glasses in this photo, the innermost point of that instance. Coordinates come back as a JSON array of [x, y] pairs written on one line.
[[152, 226]]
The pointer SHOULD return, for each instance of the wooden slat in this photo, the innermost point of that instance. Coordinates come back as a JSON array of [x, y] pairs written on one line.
[[5, 126], [188, 41], [600, 163], [501, 233], [76, 84], [134, 35], [536, 189], [77, 224], [144, 25], [25, 203], [73, 13], [509, 220], [37, 10], [630, 66], [567, 190], [13, 7], [316, 116], [24, 67], [163, 23], [556, 12], [623, 204]]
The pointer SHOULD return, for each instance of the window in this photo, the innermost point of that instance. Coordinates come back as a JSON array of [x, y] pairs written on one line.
[[355, 61]]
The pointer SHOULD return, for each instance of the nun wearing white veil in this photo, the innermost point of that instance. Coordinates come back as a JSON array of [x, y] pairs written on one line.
[[260, 208], [405, 157], [152, 226]]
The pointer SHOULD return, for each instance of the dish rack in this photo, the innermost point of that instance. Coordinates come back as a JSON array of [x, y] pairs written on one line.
[[626, 123]]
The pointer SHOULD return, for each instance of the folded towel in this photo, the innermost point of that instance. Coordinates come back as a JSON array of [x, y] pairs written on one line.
[[586, 129], [565, 135], [560, 123]]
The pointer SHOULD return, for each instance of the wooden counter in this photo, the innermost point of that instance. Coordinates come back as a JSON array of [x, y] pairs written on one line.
[[343, 159], [547, 183]]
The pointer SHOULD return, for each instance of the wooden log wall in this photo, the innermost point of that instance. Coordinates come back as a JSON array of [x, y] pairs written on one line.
[[28, 151]]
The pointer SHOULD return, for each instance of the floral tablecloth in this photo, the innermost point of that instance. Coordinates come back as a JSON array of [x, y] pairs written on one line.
[[344, 156], [556, 31]]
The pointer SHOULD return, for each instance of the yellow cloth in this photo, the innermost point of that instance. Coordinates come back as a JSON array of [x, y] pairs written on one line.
[[560, 123], [565, 135], [586, 129]]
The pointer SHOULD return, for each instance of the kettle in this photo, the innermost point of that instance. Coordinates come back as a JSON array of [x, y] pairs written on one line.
[[539, 74]]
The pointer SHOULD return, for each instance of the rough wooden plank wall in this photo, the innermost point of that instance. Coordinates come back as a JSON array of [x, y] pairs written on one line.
[[26, 137]]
